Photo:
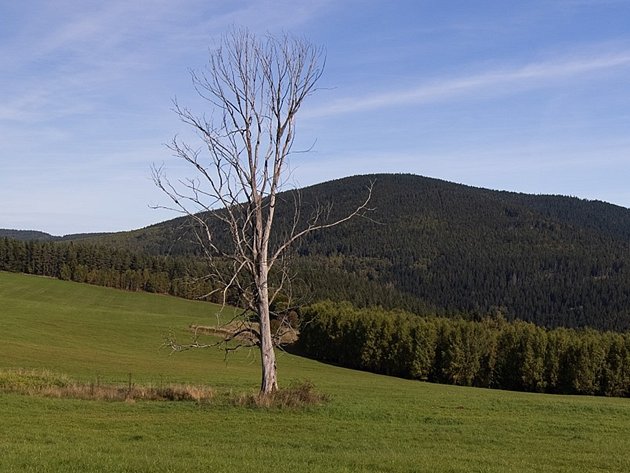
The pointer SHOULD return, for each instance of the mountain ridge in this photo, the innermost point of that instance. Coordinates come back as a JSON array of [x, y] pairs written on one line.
[[435, 246], [37, 235], [535, 200]]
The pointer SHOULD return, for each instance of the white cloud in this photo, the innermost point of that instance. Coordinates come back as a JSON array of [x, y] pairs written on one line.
[[499, 81]]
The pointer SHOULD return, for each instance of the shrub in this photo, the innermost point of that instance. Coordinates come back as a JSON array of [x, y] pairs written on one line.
[[301, 394]]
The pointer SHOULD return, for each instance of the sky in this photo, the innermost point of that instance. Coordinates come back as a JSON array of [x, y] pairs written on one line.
[[528, 96]]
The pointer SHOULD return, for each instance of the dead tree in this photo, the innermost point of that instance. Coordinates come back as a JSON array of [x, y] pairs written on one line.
[[254, 88]]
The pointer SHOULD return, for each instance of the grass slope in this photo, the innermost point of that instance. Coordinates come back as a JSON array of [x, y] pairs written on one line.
[[372, 424]]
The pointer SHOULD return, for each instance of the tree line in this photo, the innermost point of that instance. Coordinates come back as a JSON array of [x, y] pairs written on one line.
[[104, 266], [490, 353]]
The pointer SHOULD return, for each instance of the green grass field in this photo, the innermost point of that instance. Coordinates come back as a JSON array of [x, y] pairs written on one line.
[[372, 424]]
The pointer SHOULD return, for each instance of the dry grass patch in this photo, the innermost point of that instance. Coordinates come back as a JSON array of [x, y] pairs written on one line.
[[49, 384]]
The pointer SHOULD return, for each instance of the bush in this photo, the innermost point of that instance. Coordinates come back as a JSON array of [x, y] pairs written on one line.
[[301, 394]]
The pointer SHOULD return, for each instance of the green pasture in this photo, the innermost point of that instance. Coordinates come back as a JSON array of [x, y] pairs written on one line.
[[372, 423]]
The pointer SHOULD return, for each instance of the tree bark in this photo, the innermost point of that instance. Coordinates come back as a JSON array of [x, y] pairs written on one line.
[[269, 381]]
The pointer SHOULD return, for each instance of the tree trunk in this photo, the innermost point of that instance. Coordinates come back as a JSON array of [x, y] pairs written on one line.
[[269, 382]]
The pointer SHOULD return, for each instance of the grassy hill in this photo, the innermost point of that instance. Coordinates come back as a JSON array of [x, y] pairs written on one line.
[[372, 424]]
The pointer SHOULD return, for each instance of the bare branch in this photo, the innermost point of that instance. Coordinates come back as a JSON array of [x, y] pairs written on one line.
[[254, 88], [315, 225]]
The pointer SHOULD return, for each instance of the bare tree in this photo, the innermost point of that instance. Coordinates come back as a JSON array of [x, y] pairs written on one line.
[[254, 87]]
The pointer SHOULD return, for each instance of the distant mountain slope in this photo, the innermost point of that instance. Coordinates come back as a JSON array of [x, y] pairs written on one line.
[[549, 259], [26, 235], [431, 245], [34, 235]]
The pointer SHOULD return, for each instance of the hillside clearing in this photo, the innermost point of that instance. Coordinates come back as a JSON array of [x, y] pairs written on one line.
[[372, 423]]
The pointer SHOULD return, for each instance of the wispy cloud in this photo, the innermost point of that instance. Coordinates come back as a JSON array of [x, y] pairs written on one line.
[[499, 81], [67, 56]]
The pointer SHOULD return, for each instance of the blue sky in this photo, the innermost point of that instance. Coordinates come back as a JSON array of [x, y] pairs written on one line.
[[530, 96]]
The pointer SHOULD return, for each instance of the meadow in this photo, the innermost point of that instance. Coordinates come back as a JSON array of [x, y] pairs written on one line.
[[372, 423]]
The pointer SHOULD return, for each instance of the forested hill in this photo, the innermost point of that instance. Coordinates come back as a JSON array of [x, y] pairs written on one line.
[[35, 235], [552, 260], [435, 246]]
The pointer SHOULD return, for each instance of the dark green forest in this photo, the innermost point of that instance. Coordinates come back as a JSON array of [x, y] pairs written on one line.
[[490, 353], [428, 246], [105, 266]]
